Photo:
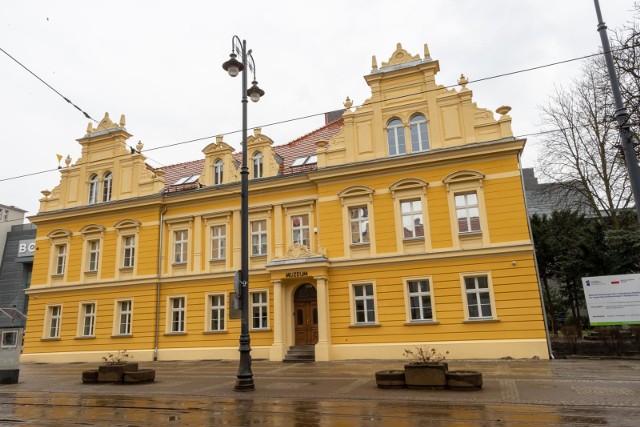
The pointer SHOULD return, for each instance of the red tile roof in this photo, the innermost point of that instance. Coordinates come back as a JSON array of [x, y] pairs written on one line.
[[300, 147]]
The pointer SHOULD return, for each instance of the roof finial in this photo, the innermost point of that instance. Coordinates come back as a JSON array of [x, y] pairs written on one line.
[[347, 103], [374, 63], [123, 121], [426, 51]]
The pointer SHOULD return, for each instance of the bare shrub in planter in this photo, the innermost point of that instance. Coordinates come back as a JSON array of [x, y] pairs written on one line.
[[426, 370]]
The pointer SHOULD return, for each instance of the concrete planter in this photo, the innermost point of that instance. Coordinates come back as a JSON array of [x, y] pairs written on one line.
[[464, 380], [390, 379], [114, 372], [425, 375], [140, 376]]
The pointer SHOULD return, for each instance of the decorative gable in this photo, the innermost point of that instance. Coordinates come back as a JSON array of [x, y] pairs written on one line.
[[215, 152]]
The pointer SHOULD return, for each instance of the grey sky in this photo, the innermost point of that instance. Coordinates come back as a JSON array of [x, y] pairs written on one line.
[[159, 63]]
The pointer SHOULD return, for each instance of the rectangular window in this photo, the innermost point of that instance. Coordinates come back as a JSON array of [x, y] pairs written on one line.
[[94, 255], [54, 314], [419, 299], [359, 224], [177, 307], [61, 258], [478, 297], [412, 225], [259, 237], [217, 305], [9, 339], [129, 251], [88, 312], [125, 313], [5, 215], [259, 310], [364, 303], [180, 244], [300, 229], [467, 212], [218, 241]]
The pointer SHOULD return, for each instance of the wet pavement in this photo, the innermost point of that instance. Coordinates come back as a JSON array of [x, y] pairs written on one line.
[[200, 393]]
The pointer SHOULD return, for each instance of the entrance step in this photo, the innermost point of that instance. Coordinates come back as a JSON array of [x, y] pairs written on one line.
[[301, 354]]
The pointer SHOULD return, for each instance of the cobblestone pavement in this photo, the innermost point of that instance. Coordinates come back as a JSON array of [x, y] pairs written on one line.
[[515, 392]]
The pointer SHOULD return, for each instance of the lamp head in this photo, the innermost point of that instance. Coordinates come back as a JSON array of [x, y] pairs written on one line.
[[254, 92], [233, 66]]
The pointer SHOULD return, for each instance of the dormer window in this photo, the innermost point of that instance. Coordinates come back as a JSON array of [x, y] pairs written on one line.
[[257, 164], [93, 189], [395, 137], [107, 186], [419, 136], [217, 172]]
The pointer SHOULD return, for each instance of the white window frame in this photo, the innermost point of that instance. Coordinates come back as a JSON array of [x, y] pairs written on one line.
[[419, 294], [261, 235], [53, 324], [87, 313], [123, 316], [354, 299], [257, 160], [94, 183], [128, 251], [395, 137], [181, 246], [93, 255], [363, 235], [419, 122], [180, 312], [60, 258], [218, 171], [107, 186], [263, 309], [301, 230], [14, 341], [412, 214], [212, 309], [218, 242], [475, 292], [466, 208]]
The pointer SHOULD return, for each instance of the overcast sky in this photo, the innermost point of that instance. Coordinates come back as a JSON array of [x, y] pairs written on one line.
[[159, 63]]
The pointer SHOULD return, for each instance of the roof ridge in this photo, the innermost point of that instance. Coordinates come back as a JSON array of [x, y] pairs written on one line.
[[333, 123]]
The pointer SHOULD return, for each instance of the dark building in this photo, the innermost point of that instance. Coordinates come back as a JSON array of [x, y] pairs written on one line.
[[15, 274]]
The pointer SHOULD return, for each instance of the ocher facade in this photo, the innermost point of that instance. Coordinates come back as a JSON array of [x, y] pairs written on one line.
[[403, 223]]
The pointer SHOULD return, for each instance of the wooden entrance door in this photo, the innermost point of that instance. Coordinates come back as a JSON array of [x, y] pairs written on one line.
[[305, 314]]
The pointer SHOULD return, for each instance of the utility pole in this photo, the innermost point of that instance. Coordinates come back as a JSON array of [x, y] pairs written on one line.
[[622, 116]]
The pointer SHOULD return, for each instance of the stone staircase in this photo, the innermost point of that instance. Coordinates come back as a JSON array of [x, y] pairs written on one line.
[[300, 354]]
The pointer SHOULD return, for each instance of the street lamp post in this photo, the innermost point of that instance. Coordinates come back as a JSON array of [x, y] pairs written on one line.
[[244, 379]]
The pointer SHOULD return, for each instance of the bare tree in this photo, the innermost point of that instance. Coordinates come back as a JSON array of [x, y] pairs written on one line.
[[582, 154]]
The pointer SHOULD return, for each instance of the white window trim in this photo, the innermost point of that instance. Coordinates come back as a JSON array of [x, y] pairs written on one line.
[[82, 317], [424, 122], [180, 224], [353, 197], [209, 307], [494, 316], [264, 232], [467, 181], [46, 333], [352, 303], [223, 237], [10, 332], [397, 130], [169, 320], [117, 312], [125, 228], [256, 291], [218, 170], [407, 301], [60, 268]]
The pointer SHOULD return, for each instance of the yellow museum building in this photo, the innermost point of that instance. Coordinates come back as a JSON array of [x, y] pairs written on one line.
[[401, 223]]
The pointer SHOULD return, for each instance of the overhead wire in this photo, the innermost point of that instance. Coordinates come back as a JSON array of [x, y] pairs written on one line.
[[279, 122], [49, 86]]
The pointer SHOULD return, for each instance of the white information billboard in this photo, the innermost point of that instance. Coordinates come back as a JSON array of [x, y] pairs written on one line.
[[613, 300]]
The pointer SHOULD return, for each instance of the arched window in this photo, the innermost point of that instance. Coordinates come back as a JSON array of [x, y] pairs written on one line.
[[106, 187], [217, 172], [93, 189], [395, 137], [419, 137], [257, 165]]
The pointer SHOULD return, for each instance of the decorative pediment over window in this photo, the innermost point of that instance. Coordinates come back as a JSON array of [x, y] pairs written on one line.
[[127, 223], [356, 190], [463, 176], [408, 184], [92, 228], [60, 232]]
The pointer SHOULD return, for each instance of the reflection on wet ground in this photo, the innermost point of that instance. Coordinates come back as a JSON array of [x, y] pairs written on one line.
[[200, 393]]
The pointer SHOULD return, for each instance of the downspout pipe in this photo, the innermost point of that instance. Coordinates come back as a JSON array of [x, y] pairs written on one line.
[[535, 262], [159, 274]]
